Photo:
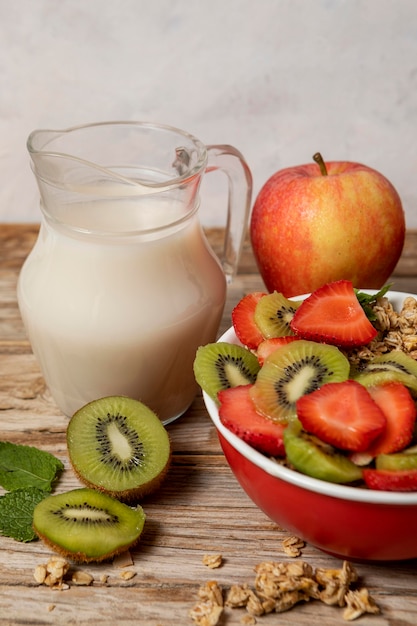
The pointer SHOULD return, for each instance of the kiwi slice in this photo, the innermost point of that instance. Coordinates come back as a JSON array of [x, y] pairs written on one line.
[[119, 446], [273, 314], [295, 369], [310, 456], [394, 366], [223, 365], [399, 461], [87, 525]]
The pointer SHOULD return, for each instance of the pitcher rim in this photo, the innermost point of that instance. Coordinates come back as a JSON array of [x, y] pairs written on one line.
[[190, 173]]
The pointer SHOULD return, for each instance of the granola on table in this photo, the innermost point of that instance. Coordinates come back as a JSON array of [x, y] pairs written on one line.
[[292, 546], [213, 561], [280, 586]]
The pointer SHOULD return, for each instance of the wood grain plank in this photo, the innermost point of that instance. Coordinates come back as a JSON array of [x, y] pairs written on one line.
[[199, 509]]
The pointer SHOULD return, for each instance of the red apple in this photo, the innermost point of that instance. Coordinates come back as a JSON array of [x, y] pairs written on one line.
[[318, 223]]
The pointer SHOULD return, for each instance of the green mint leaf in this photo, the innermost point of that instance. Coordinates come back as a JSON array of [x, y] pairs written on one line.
[[25, 466], [366, 300], [16, 513]]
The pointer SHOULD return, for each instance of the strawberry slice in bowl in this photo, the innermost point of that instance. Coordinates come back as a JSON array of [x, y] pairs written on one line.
[[243, 321], [333, 314], [342, 414], [238, 413], [390, 480], [399, 408], [268, 346]]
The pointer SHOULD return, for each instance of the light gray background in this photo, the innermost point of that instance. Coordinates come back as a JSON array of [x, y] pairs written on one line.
[[278, 79]]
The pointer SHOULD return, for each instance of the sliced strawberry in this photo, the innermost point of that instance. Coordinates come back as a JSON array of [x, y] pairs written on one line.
[[396, 403], [243, 320], [333, 314], [390, 480], [342, 414], [237, 412], [268, 346]]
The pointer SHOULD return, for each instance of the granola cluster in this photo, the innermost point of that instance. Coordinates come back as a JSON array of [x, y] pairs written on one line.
[[279, 586], [396, 331], [52, 573], [209, 609], [292, 546], [57, 575], [213, 561]]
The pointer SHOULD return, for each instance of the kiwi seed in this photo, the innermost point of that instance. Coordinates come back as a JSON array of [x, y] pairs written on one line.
[[223, 365], [119, 446], [87, 525]]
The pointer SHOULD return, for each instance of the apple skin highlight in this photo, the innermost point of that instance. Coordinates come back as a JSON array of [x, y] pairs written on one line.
[[307, 229]]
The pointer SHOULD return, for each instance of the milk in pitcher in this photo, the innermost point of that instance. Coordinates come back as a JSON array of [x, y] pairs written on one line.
[[122, 312]]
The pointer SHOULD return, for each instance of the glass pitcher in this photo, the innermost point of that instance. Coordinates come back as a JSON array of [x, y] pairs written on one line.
[[121, 286]]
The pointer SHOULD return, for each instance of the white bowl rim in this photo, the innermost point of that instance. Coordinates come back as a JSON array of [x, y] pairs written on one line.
[[296, 478]]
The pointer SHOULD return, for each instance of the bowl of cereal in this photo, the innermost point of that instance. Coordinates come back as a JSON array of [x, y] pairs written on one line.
[[347, 519]]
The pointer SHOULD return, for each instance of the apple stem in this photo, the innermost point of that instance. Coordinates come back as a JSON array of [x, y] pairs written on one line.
[[319, 160]]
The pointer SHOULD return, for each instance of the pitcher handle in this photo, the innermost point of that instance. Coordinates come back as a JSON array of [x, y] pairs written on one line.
[[230, 161]]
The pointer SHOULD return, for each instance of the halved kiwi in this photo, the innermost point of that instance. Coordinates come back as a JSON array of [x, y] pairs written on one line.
[[119, 446], [394, 366], [86, 525], [223, 365], [273, 314], [293, 370]]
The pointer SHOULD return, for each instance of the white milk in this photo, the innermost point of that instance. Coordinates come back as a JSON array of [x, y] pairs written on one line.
[[121, 315]]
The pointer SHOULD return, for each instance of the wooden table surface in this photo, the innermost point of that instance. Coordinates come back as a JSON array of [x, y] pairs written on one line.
[[199, 510]]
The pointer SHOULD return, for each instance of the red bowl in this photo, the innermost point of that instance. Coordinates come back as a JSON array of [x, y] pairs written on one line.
[[348, 522]]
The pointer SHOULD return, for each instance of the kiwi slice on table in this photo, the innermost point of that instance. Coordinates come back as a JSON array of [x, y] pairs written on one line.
[[310, 456], [295, 369], [394, 366], [87, 525], [119, 446], [273, 314], [223, 365]]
